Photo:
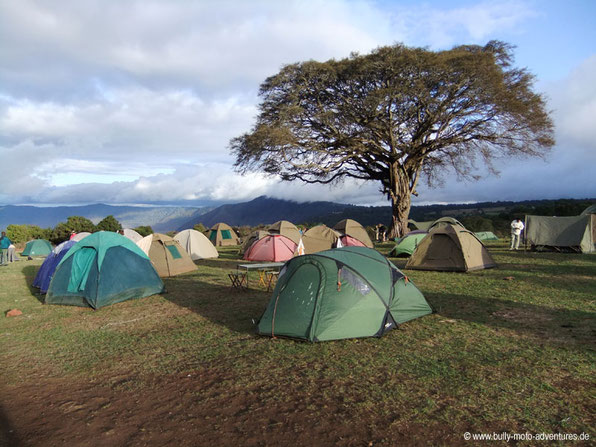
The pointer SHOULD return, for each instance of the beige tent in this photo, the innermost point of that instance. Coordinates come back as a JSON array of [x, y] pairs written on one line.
[[445, 221], [354, 229], [166, 254], [287, 229], [196, 244], [222, 234], [414, 225], [319, 238], [450, 248]]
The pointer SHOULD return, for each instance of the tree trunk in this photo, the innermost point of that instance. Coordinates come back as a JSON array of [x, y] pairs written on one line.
[[401, 201], [399, 220]]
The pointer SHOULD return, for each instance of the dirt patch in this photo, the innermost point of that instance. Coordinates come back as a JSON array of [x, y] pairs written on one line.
[[203, 408]]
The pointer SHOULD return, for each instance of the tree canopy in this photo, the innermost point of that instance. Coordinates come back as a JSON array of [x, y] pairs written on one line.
[[109, 223], [144, 230], [394, 116]]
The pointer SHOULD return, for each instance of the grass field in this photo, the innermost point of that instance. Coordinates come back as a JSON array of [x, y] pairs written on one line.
[[510, 349]]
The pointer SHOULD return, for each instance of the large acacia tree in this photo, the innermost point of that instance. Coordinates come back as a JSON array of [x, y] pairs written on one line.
[[395, 116]]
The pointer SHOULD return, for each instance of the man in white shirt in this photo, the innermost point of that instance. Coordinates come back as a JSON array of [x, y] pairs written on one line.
[[516, 228]]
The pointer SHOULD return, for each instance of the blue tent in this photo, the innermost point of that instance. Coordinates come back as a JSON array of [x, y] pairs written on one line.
[[102, 269], [47, 269]]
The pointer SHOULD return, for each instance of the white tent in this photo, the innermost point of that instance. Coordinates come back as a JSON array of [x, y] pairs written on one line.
[[132, 235], [77, 237], [145, 243], [196, 244]]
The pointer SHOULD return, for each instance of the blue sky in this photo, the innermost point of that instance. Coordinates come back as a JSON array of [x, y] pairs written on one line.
[[135, 102]]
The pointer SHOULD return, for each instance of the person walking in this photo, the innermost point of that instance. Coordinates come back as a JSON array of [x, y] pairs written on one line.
[[4, 244], [517, 227]]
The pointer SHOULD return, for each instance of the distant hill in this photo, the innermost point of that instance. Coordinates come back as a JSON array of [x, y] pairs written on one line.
[[161, 219], [265, 210]]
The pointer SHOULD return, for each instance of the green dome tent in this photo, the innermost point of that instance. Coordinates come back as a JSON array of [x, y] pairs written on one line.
[[103, 269], [407, 244], [37, 247], [486, 236], [347, 292]]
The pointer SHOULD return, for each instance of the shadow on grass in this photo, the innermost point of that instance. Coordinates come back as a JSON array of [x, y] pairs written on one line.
[[559, 327], [219, 303], [29, 272], [8, 437]]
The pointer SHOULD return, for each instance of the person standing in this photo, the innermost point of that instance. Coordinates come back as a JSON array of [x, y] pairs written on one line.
[[517, 227], [4, 244]]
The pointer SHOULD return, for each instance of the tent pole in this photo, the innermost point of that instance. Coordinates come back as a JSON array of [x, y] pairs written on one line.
[[525, 232]]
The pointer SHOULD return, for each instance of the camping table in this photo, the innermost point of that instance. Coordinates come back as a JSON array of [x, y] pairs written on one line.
[[263, 269]]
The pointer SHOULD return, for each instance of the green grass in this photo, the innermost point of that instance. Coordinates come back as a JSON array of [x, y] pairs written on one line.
[[500, 354]]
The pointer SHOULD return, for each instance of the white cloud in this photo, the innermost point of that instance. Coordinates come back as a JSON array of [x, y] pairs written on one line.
[[137, 101], [574, 104], [443, 25]]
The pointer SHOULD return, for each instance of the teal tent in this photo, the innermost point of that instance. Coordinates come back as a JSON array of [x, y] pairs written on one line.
[[102, 269], [407, 244], [37, 247], [341, 293], [486, 236]]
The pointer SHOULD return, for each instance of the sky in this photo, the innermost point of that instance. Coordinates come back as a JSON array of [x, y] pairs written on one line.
[[136, 101]]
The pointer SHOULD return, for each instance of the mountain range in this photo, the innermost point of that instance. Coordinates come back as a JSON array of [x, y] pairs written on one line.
[[162, 219], [266, 210]]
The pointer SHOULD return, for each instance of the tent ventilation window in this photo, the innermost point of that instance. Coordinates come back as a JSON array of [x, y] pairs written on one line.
[[174, 251], [225, 234], [282, 272], [347, 276], [397, 275]]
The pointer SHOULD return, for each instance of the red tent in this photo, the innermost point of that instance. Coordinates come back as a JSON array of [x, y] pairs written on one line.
[[348, 241], [273, 248]]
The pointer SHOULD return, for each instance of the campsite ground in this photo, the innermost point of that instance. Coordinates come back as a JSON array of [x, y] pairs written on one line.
[[508, 350]]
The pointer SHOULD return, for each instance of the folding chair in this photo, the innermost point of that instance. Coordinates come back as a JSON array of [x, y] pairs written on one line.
[[238, 280], [270, 279]]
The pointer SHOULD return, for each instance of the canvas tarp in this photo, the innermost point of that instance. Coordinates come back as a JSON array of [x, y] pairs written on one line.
[[573, 233]]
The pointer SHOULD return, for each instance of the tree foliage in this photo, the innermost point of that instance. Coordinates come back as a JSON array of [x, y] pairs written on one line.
[[144, 230], [24, 233], [394, 116], [200, 227], [109, 223], [78, 224]]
